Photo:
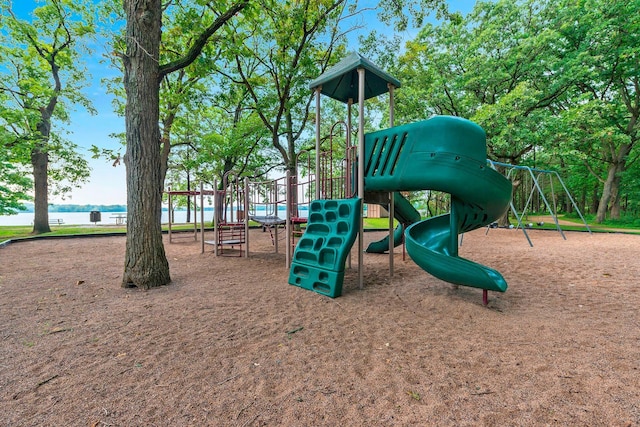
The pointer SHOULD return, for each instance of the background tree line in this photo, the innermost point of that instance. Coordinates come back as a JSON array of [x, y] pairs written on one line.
[[553, 83]]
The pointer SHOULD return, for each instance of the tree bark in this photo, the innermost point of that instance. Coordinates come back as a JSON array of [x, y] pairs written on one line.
[[595, 199], [40, 162], [146, 264], [611, 187], [40, 165], [614, 203], [189, 198], [609, 192]]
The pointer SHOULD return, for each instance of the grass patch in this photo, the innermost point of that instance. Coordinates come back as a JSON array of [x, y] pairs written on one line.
[[24, 231], [13, 231], [9, 232], [623, 223], [378, 223], [628, 225]]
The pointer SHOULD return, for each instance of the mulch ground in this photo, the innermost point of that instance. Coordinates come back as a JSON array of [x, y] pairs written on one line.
[[229, 342]]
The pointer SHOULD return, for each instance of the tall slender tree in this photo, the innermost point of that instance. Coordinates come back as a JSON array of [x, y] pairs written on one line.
[[41, 79], [276, 65]]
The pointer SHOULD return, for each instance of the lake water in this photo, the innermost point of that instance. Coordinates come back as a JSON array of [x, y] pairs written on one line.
[[110, 218], [74, 218]]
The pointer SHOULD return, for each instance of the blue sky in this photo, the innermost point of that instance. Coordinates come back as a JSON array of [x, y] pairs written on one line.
[[107, 184]]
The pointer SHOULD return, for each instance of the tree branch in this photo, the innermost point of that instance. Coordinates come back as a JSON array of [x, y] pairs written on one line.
[[199, 43]]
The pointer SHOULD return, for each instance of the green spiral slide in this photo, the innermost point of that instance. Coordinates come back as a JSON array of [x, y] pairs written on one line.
[[443, 154], [406, 215]]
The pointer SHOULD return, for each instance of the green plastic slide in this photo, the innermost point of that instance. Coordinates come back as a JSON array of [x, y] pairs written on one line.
[[445, 154], [406, 215]]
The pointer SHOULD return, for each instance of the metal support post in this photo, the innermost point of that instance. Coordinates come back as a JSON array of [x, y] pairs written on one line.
[[361, 76]]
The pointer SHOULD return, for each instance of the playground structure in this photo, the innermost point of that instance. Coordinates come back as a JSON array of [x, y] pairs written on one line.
[[236, 202], [229, 223], [442, 153], [535, 179], [192, 201], [265, 200], [280, 206]]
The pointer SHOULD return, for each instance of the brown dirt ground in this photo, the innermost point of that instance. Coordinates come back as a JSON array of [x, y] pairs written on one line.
[[230, 343]]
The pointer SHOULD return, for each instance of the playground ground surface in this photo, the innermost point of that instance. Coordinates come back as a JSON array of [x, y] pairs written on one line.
[[229, 342]]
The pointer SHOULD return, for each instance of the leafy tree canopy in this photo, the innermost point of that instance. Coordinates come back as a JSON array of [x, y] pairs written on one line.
[[41, 80]]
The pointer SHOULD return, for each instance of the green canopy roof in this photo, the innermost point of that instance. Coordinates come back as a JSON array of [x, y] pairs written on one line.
[[341, 81]]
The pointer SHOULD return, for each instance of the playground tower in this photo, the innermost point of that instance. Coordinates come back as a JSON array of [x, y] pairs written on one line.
[[442, 153]]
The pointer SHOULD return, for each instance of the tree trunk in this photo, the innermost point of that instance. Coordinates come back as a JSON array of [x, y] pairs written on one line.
[[614, 203], [611, 187], [568, 206], [503, 221], [40, 164], [594, 199], [189, 198], [609, 191], [146, 264], [165, 149], [293, 186], [583, 200]]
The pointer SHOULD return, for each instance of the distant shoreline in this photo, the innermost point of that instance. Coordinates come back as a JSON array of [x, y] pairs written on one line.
[[83, 217], [76, 208], [68, 208]]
